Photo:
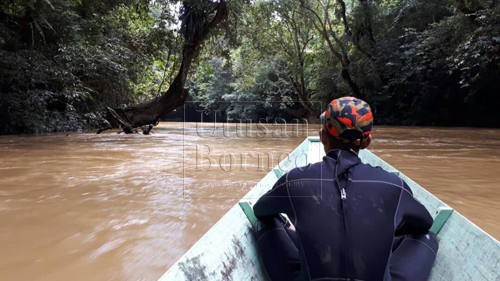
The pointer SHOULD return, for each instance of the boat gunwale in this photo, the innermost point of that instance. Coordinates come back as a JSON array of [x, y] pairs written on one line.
[[258, 273]]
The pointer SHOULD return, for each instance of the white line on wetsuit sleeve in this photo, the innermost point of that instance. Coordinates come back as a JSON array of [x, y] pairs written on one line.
[[397, 208], [295, 224], [409, 238], [258, 240], [336, 278], [386, 182], [389, 258]]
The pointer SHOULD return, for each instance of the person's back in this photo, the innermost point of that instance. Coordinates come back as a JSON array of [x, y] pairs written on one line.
[[353, 221]]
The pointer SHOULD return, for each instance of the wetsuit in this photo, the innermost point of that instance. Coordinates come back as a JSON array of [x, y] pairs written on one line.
[[353, 222]]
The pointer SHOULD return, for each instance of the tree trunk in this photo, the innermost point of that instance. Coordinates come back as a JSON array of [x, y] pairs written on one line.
[[322, 24], [301, 92], [151, 111], [303, 113], [352, 85]]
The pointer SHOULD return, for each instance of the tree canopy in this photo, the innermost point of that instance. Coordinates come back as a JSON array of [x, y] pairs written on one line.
[[417, 62]]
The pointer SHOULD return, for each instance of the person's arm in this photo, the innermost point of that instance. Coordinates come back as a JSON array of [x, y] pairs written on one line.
[[411, 217], [275, 201]]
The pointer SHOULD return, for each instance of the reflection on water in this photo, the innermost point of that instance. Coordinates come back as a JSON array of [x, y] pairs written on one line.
[[124, 207]]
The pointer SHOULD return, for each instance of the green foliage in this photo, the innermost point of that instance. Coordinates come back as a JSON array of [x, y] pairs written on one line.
[[222, 85], [83, 54], [212, 83], [443, 74], [433, 62], [35, 96], [417, 62]]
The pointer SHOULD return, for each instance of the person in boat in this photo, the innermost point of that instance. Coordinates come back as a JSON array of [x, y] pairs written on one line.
[[349, 220]]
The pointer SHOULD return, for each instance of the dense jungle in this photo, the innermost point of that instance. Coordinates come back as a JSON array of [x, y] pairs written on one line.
[[68, 65]]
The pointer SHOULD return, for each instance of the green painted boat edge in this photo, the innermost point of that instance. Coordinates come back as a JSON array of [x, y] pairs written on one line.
[[278, 173], [462, 244], [248, 210], [419, 192], [225, 255], [227, 251], [441, 218]]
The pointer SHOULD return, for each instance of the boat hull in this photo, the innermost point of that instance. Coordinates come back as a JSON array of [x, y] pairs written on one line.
[[227, 251]]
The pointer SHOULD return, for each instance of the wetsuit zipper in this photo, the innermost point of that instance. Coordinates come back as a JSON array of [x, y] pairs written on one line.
[[343, 232]]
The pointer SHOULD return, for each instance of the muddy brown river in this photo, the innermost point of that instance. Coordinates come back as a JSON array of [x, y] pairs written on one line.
[[82, 206]]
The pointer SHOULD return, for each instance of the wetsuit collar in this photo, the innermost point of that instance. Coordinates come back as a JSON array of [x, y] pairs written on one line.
[[345, 159]]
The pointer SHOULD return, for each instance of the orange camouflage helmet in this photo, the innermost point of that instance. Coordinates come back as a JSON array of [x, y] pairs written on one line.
[[348, 119]]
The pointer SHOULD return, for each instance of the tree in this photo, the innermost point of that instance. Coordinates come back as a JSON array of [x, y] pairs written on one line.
[[422, 62], [318, 13], [280, 35], [62, 61], [198, 19], [300, 36]]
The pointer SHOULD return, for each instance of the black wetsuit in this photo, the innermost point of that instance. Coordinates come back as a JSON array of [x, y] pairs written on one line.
[[353, 222]]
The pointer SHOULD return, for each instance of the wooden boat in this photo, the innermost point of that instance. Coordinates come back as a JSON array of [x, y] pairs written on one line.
[[227, 251]]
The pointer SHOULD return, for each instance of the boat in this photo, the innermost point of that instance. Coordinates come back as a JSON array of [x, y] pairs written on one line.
[[228, 250]]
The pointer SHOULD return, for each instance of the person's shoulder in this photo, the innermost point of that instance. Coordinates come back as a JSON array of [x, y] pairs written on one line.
[[367, 172], [312, 171]]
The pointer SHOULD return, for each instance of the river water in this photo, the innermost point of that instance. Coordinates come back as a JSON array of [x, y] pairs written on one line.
[[82, 206]]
